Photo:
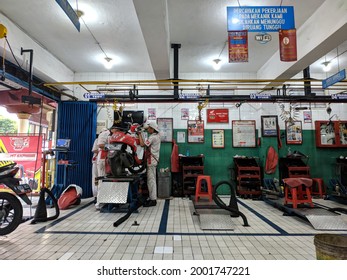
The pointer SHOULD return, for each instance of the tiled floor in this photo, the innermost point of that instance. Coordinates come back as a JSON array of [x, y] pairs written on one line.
[[168, 231]]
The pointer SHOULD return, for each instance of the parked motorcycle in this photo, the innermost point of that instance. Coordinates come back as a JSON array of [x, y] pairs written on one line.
[[11, 210], [123, 152]]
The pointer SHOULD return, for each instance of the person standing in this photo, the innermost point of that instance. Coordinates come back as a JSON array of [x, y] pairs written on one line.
[[152, 144]]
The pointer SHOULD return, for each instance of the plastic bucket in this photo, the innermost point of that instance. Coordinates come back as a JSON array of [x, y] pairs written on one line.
[[331, 247]]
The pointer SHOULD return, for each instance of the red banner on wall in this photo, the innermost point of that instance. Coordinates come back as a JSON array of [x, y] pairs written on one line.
[[287, 39], [217, 115], [238, 46], [26, 151]]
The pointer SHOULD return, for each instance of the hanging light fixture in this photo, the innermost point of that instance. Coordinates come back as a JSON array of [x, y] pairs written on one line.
[[326, 66], [108, 63], [217, 64]]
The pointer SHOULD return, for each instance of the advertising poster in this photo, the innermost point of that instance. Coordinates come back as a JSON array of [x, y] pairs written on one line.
[[307, 116], [184, 114], [152, 113], [195, 131], [287, 39], [26, 151], [217, 115], [238, 46]]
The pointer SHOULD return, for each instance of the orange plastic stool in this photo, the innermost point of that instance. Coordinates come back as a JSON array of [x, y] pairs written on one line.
[[318, 187], [297, 191], [198, 188]]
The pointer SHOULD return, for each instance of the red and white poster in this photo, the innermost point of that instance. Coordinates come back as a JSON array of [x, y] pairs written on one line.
[[238, 46], [26, 151], [152, 113], [217, 115], [287, 39]]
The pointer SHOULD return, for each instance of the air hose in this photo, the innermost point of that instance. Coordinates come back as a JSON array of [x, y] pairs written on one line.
[[232, 207]]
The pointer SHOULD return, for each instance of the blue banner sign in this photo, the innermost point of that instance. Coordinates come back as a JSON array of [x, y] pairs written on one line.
[[95, 95], [260, 95], [260, 19], [338, 77], [69, 11], [339, 96]]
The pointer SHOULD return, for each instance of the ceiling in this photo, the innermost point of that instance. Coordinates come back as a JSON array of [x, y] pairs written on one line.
[[137, 34]]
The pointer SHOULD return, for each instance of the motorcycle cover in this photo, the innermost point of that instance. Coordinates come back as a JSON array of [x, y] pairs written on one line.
[[70, 196]]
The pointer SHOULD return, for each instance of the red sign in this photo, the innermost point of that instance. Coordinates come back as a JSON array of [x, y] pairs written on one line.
[[217, 115], [238, 46], [26, 151], [287, 40]]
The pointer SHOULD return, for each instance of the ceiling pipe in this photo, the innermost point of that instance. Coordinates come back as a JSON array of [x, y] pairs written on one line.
[[176, 47]]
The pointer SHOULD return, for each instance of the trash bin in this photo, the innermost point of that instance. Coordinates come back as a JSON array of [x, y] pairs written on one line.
[[330, 246], [164, 184]]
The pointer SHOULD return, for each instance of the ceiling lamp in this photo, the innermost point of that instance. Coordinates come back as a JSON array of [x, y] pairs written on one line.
[[326, 66], [216, 64], [108, 63]]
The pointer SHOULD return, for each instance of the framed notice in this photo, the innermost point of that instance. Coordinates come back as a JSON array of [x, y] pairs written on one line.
[[244, 134], [195, 131], [294, 132], [217, 115], [165, 126], [269, 126], [217, 138]]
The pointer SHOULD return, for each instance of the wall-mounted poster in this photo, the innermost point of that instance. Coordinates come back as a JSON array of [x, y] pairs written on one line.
[[152, 113], [195, 131], [184, 114], [165, 126], [294, 132], [307, 116], [269, 126], [217, 115], [181, 137], [243, 134], [217, 138]]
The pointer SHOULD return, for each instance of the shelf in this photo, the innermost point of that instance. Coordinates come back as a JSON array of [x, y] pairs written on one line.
[[248, 177], [191, 168]]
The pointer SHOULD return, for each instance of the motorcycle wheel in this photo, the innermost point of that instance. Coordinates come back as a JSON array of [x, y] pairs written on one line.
[[11, 213]]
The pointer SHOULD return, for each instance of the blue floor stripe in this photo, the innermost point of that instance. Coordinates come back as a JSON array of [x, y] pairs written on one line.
[[266, 220], [163, 226], [164, 217], [180, 233]]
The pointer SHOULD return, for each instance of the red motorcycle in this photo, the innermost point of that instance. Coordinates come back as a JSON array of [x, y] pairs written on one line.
[[123, 152]]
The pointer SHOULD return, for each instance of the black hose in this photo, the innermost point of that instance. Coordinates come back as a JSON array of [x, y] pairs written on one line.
[[140, 200], [232, 207]]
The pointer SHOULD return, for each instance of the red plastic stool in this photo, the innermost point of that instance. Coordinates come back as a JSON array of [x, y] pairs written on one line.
[[297, 191], [198, 188], [318, 187]]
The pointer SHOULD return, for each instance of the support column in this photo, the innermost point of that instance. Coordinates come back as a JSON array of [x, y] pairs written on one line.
[[23, 124]]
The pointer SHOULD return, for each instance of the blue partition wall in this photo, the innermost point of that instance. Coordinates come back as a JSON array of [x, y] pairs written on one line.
[[77, 121]]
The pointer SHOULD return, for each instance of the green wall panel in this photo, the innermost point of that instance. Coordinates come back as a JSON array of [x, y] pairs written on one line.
[[218, 162]]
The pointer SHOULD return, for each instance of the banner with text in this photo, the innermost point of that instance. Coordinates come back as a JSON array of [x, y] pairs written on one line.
[[26, 151], [217, 115], [238, 46], [287, 40], [260, 19]]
